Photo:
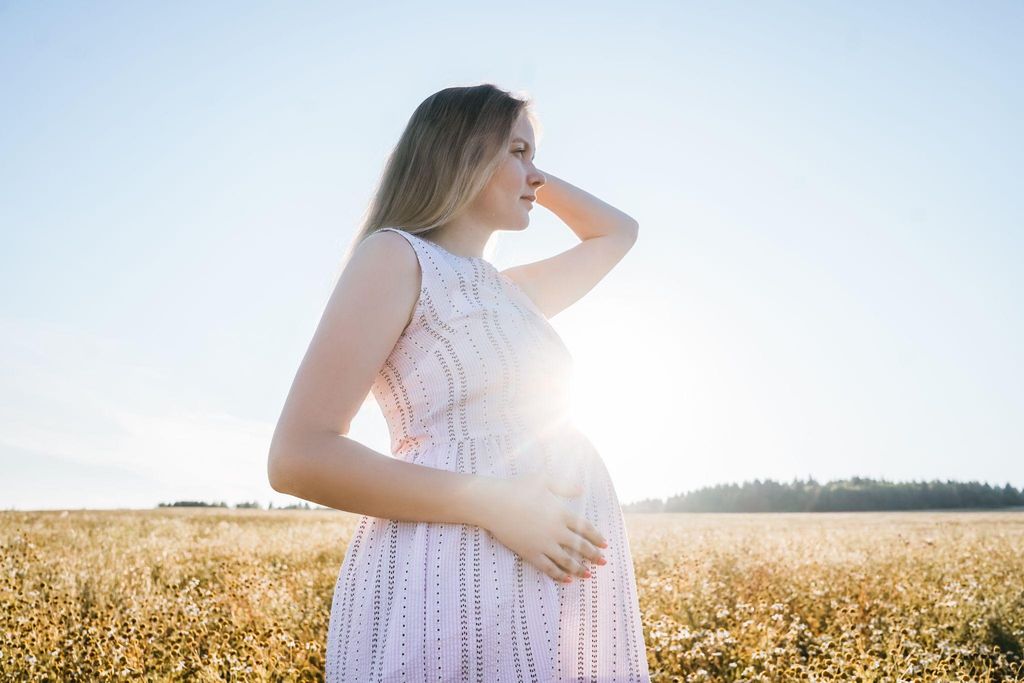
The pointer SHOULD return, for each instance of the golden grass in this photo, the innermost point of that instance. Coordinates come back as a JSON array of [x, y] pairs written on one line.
[[220, 594]]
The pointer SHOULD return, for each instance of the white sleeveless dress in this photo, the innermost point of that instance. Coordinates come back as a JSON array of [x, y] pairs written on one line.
[[478, 383]]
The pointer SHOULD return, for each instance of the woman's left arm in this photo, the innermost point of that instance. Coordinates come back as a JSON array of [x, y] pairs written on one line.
[[606, 235], [585, 214]]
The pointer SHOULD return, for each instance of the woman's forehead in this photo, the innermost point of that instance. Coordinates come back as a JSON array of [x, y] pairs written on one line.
[[523, 127]]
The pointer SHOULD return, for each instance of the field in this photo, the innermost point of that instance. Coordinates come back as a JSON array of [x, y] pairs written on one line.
[[219, 594]]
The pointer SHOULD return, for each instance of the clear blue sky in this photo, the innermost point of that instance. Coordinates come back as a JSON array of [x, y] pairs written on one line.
[[828, 281]]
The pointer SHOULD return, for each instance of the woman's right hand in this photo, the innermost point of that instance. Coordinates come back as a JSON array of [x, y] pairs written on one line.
[[525, 514]]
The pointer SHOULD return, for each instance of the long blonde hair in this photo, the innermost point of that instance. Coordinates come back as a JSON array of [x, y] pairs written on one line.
[[451, 146]]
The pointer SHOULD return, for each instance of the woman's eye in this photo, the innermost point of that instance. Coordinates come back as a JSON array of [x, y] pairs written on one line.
[[520, 150]]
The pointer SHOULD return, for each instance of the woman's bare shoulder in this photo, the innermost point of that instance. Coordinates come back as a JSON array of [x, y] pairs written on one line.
[[383, 271], [384, 250]]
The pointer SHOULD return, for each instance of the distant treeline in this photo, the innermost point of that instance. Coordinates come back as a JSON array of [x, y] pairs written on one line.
[[250, 504], [843, 495]]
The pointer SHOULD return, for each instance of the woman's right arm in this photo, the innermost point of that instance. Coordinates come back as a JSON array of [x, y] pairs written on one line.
[[310, 455]]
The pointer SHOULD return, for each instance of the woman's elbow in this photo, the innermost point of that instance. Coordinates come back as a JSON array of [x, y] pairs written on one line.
[[281, 459], [291, 456], [276, 473]]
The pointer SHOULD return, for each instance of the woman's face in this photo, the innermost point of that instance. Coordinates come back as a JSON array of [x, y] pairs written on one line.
[[501, 204]]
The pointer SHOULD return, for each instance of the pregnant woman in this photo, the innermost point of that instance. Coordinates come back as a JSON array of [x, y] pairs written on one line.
[[491, 545]]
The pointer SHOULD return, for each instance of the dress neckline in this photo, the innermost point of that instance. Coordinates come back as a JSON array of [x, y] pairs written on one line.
[[450, 253]]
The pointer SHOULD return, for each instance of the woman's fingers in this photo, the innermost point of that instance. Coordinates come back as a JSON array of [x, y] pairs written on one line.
[[583, 527], [582, 547], [568, 563], [552, 569]]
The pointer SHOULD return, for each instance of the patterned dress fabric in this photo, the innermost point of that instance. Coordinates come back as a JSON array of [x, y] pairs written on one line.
[[479, 382]]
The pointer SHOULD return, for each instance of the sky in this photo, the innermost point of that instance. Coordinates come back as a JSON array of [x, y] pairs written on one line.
[[826, 284]]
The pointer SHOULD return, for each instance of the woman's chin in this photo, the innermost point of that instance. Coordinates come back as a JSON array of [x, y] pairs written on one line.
[[521, 224]]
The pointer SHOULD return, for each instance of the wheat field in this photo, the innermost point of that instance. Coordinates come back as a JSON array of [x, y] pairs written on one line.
[[226, 594]]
